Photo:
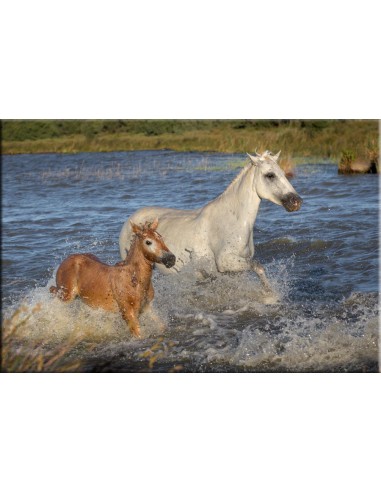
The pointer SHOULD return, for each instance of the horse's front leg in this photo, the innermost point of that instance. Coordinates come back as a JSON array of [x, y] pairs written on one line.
[[259, 269]]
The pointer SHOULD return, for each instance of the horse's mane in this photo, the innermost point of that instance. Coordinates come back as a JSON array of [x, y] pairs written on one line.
[[244, 170]]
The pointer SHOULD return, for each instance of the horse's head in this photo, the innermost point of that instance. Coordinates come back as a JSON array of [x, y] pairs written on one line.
[[271, 182], [152, 244]]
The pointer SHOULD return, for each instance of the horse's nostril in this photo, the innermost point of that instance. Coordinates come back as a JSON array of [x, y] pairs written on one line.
[[169, 260], [292, 202], [298, 201]]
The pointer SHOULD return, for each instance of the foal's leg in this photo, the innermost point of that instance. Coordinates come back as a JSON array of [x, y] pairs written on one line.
[[129, 315], [63, 293], [149, 309], [133, 323], [66, 288]]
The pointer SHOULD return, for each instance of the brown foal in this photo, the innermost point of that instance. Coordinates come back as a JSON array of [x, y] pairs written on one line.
[[126, 286]]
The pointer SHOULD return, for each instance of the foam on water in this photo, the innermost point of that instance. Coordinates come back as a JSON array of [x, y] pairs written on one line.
[[52, 322], [309, 344]]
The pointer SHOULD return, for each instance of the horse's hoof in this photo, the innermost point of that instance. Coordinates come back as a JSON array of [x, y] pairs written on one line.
[[270, 297]]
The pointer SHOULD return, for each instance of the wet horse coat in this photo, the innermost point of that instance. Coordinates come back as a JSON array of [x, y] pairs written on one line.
[[221, 232], [124, 287]]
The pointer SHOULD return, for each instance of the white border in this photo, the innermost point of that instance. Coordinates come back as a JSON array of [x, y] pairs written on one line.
[[128, 59], [241, 59]]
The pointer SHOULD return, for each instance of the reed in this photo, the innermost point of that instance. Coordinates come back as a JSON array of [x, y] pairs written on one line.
[[160, 350], [18, 354]]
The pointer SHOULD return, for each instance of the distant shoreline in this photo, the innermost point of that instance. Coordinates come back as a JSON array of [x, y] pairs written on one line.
[[327, 140]]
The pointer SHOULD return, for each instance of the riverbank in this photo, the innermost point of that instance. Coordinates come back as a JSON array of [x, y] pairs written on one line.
[[305, 138]]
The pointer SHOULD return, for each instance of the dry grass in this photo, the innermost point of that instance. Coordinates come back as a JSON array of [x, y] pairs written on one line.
[[30, 356], [160, 350]]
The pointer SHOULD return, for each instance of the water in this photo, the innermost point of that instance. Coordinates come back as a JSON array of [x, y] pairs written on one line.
[[322, 261]]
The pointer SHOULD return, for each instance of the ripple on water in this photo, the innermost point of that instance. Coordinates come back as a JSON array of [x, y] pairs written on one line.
[[321, 261]]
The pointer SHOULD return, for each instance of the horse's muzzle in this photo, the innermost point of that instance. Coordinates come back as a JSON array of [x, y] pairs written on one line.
[[292, 202], [168, 259]]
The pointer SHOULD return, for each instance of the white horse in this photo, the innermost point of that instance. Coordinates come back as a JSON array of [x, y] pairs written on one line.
[[221, 233]]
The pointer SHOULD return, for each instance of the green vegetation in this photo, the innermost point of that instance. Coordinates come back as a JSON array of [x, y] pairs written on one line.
[[363, 159], [346, 160], [303, 138]]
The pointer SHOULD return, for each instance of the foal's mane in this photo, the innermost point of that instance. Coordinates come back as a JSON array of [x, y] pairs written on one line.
[[144, 229]]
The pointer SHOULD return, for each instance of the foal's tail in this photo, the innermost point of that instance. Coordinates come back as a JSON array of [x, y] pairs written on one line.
[[53, 290]]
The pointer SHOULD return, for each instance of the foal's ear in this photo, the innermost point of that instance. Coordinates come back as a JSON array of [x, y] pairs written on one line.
[[135, 228], [154, 224], [276, 157]]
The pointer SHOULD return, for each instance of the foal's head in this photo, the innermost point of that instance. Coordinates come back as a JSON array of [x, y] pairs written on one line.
[[152, 244], [271, 182]]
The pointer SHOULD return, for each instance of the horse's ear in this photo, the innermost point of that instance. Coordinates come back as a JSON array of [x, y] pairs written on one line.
[[276, 157], [254, 159], [154, 224]]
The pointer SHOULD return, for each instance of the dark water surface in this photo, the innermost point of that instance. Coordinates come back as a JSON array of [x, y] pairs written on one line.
[[322, 261]]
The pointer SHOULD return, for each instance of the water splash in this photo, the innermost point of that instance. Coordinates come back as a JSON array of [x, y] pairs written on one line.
[[220, 322]]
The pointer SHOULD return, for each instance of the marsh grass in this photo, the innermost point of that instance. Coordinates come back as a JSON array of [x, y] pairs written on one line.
[[20, 354], [322, 138], [346, 160], [362, 159], [372, 154]]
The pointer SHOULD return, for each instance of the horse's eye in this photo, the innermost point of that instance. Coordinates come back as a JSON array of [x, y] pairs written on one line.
[[148, 243], [270, 175]]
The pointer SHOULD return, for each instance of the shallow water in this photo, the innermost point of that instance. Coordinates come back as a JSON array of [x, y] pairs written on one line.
[[322, 261]]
